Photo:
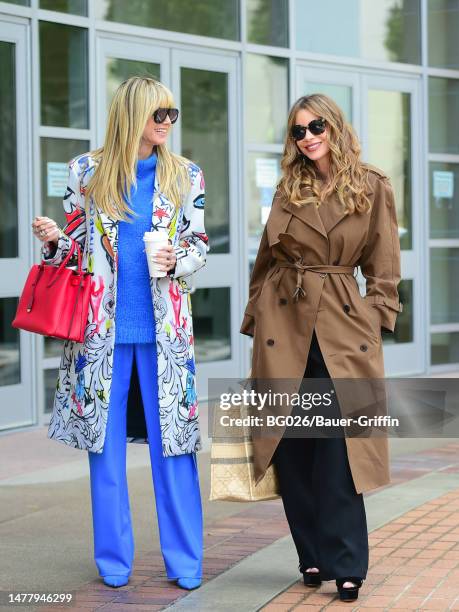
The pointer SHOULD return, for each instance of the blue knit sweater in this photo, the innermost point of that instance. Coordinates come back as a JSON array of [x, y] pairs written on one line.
[[135, 321]]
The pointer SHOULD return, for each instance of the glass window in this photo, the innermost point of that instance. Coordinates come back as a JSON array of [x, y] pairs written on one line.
[[263, 176], [267, 22], [267, 98], [55, 155], [205, 140], [20, 2], [444, 200], [443, 27], [118, 70], [444, 348], [8, 153], [387, 30], [444, 288], [50, 381], [218, 18], [76, 7], [212, 324], [341, 94], [390, 150], [443, 115], [10, 365], [63, 75], [53, 347]]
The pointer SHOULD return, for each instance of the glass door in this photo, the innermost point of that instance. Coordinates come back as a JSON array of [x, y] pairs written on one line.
[[385, 114], [16, 354], [391, 141], [120, 58], [205, 86]]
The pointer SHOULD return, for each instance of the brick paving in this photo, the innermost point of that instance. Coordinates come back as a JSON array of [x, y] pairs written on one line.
[[414, 565], [411, 563]]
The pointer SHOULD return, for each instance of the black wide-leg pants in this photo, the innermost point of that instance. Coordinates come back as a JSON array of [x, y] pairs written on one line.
[[325, 513]]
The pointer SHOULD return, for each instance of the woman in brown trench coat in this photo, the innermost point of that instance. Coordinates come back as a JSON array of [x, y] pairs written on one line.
[[330, 213]]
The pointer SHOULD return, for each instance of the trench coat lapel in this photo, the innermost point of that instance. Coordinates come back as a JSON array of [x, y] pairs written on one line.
[[308, 214], [332, 212]]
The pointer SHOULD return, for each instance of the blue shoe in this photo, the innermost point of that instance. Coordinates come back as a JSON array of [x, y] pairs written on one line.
[[115, 581], [189, 583]]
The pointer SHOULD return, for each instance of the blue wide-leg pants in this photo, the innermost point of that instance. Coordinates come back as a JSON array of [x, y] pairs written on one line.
[[175, 480]]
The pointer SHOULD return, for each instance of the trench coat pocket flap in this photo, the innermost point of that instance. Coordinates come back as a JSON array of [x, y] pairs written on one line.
[[379, 300]]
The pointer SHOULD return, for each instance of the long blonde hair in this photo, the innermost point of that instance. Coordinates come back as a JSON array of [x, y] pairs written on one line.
[[134, 102], [346, 173]]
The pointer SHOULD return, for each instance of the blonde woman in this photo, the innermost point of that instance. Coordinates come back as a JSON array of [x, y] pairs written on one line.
[[138, 345], [330, 214]]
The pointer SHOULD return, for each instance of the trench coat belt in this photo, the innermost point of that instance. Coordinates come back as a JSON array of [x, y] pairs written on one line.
[[320, 269]]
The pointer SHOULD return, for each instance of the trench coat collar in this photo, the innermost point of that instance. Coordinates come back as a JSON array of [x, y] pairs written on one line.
[[309, 213], [162, 212]]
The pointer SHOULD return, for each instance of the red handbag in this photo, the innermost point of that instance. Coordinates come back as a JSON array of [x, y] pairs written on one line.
[[55, 300]]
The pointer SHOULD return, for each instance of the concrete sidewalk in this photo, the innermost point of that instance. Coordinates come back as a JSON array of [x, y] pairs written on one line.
[[46, 531]]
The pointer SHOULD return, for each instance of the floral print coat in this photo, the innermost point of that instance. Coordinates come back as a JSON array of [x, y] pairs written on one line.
[[82, 397]]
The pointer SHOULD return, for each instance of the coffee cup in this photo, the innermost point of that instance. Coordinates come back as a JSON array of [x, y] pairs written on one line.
[[154, 241]]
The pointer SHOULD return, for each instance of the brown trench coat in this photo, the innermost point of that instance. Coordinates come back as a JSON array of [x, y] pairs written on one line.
[[348, 327]]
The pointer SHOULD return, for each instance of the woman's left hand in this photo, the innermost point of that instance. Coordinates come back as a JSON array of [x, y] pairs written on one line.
[[166, 258]]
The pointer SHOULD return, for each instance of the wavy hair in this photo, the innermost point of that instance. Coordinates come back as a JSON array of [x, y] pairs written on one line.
[[134, 102], [347, 174]]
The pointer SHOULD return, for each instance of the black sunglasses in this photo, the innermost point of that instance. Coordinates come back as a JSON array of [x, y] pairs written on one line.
[[316, 127], [161, 113]]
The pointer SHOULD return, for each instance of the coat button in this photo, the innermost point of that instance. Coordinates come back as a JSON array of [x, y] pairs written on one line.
[[269, 341], [346, 308], [283, 301], [322, 275], [363, 347]]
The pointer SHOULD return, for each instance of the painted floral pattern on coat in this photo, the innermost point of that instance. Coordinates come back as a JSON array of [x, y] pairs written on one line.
[[82, 395]]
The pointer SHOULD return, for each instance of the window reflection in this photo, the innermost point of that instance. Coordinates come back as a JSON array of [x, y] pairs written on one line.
[[444, 288], [63, 75], [386, 30], [10, 366], [263, 176], [444, 348], [444, 200], [443, 115], [205, 140], [212, 324], [341, 94], [8, 154], [390, 150], [267, 98], [267, 22], [218, 18], [55, 155], [443, 28], [118, 70], [76, 7], [50, 381]]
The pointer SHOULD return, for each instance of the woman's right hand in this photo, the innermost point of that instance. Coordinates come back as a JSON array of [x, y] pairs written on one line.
[[45, 229]]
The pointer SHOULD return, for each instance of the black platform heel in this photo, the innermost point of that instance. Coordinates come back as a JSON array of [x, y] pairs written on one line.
[[348, 593], [310, 579]]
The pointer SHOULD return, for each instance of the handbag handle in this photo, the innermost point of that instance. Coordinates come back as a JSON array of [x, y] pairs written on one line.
[[55, 276], [66, 260]]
